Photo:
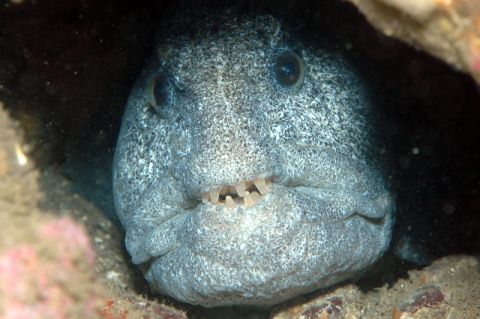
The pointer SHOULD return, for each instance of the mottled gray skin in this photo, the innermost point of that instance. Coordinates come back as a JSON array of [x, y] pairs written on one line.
[[328, 214]]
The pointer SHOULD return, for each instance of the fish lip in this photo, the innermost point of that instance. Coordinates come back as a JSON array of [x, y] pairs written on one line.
[[223, 237], [283, 202], [382, 203]]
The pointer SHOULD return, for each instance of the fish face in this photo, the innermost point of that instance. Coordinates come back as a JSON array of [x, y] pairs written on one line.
[[243, 172]]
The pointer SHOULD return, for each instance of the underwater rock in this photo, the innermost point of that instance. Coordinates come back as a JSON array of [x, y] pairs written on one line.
[[137, 307], [55, 247], [449, 288], [245, 171], [332, 309], [449, 30], [46, 263], [52, 278], [340, 303], [423, 297]]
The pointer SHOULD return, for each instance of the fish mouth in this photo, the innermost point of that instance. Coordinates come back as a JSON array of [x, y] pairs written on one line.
[[246, 193], [270, 209], [317, 203], [293, 235]]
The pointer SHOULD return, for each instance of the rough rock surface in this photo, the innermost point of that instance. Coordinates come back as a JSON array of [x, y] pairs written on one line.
[[447, 29], [46, 264], [50, 265], [449, 288]]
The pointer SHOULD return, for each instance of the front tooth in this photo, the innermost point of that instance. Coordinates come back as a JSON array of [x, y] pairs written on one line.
[[205, 197], [255, 197], [214, 195], [229, 202], [247, 200], [240, 188], [261, 186]]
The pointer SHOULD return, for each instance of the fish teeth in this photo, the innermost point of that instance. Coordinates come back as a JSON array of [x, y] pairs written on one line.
[[240, 188], [229, 202], [214, 195], [246, 193], [205, 197], [247, 200], [255, 197], [261, 185]]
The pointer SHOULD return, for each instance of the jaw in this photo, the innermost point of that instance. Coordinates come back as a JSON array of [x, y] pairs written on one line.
[[293, 240]]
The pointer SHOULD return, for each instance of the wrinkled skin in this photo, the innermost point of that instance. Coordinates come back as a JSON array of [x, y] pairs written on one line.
[[222, 117]]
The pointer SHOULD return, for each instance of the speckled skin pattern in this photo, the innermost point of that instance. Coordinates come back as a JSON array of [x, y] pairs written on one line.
[[328, 214]]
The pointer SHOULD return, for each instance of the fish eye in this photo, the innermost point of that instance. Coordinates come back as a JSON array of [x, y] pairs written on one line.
[[289, 70], [159, 92]]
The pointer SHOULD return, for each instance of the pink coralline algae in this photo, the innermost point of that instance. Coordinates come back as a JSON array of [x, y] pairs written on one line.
[[51, 278], [69, 237]]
